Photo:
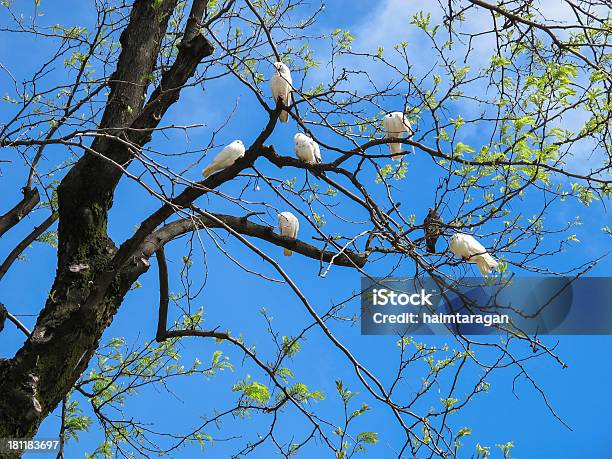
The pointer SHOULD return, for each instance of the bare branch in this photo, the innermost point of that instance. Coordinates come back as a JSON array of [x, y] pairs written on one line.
[[36, 232], [31, 197], [4, 314]]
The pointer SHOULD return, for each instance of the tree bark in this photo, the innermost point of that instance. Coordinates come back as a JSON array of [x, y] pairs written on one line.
[[66, 335]]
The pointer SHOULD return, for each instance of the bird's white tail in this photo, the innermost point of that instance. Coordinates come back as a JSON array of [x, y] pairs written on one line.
[[287, 252], [486, 263], [396, 150]]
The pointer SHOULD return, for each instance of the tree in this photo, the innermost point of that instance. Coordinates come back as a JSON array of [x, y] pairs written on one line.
[[93, 116]]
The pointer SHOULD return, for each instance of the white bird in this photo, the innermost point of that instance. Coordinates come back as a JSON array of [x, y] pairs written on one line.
[[288, 226], [395, 125], [225, 157], [306, 148], [472, 251], [281, 85]]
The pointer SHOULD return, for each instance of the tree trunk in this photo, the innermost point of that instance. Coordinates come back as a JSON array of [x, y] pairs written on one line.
[[88, 289]]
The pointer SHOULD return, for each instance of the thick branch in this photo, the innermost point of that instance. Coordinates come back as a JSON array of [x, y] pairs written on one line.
[[31, 197], [162, 321], [140, 45], [266, 233], [167, 93], [194, 22]]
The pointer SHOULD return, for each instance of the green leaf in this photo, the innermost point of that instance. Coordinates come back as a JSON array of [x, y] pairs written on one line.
[[368, 437]]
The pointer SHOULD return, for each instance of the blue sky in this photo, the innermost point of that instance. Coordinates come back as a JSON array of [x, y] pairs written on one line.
[[233, 298]]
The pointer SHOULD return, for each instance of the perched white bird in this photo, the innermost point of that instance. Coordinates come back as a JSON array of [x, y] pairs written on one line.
[[395, 125], [225, 158], [306, 148], [288, 225], [472, 251], [281, 85]]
